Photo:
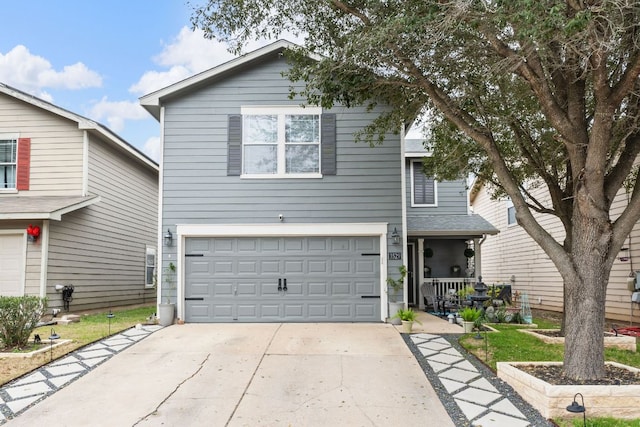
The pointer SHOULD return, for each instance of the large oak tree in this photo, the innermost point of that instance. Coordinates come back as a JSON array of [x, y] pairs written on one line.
[[519, 92]]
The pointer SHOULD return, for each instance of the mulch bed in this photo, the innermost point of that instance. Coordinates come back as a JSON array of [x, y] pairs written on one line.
[[554, 374]]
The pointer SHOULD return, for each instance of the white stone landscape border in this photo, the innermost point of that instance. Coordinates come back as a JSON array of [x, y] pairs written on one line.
[[623, 342], [617, 401], [45, 347]]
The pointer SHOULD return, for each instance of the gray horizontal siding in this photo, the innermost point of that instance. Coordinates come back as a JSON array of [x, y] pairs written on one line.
[[198, 190]]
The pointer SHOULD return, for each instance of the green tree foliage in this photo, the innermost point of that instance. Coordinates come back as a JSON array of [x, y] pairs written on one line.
[[19, 316], [522, 93]]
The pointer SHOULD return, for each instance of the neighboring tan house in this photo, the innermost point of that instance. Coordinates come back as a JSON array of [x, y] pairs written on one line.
[[271, 211], [78, 209], [513, 257]]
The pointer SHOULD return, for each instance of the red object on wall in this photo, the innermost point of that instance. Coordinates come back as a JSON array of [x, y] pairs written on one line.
[[33, 231], [24, 163]]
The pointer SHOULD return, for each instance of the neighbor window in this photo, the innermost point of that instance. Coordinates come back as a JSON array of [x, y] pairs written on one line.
[[511, 213], [8, 163], [150, 267], [424, 190], [281, 141]]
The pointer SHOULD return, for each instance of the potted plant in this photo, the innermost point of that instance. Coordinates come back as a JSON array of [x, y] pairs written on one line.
[[407, 317], [469, 316], [396, 286], [166, 310]]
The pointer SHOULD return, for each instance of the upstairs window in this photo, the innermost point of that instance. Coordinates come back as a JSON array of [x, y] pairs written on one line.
[[424, 189], [8, 163], [281, 142]]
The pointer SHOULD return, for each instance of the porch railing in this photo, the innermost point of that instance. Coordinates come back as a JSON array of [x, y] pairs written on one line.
[[449, 285]]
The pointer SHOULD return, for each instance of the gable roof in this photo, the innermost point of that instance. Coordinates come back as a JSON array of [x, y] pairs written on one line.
[[83, 124], [153, 101]]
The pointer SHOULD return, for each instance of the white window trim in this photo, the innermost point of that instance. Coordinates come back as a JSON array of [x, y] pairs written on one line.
[[435, 190], [280, 110], [150, 251], [16, 137]]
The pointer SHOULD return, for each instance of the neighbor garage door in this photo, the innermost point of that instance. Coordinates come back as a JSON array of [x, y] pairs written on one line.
[[271, 279], [12, 264]]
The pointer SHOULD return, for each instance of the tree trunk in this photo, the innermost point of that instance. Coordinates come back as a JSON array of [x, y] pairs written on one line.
[[585, 299]]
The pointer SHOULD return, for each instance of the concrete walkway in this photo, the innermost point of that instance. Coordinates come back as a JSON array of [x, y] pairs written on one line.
[[235, 375]]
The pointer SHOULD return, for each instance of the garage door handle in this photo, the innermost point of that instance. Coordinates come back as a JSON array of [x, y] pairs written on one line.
[[279, 285], [285, 285], [370, 296], [194, 299]]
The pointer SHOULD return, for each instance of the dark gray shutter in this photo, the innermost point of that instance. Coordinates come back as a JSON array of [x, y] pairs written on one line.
[[328, 144], [234, 145], [423, 187]]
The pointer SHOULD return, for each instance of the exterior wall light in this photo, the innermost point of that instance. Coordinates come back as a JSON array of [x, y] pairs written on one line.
[[395, 236], [168, 238]]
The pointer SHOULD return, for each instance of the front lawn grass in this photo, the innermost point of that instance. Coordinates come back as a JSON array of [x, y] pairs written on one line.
[[510, 345], [91, 328]]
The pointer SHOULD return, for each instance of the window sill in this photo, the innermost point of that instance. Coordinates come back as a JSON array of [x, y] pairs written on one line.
[[287, 176], [9, 191]]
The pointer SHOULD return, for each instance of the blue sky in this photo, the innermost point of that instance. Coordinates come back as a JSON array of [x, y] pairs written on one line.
[[96, 58]]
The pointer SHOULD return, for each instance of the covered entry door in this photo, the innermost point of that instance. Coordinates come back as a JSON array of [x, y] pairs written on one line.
[[275, 279]]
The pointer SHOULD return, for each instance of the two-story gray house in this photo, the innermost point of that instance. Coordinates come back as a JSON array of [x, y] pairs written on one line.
[[269, 209]]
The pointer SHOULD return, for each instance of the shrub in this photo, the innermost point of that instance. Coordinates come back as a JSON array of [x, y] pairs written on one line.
[[470, 314], [19, 316]]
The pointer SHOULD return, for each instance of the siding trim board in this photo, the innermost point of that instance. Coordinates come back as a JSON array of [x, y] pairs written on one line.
[[185, 231]]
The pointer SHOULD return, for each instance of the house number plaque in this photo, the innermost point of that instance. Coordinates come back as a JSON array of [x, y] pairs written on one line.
[[395, 255]]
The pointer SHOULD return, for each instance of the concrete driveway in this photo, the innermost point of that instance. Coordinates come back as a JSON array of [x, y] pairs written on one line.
[[251, 375]]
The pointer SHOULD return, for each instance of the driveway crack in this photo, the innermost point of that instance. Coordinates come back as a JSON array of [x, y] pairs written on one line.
[[174, 390]]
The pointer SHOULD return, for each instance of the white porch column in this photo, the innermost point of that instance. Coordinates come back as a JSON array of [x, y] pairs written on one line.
[[420, 276]]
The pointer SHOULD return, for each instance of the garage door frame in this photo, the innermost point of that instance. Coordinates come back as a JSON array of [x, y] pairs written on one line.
[[376, 229], [23, 256]]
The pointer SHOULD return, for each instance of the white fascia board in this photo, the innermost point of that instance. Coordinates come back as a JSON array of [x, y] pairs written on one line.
[[298, 229]]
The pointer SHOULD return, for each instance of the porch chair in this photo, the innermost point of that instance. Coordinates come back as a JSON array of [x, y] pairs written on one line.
[[430, 297]]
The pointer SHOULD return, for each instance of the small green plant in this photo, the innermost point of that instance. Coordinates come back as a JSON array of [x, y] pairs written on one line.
[[466, 292], [396, 285], [407, 315], [19, 316], [470, 314]]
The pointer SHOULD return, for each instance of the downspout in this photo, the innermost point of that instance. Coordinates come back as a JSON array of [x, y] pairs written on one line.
[[403, 190]]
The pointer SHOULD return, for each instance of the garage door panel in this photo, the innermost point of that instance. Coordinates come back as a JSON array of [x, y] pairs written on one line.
[[269, 267], [367, 266], [366, 288], [318, 266], [294, 311], [326, 278], [318, 289], [294, 266], [341, 289]]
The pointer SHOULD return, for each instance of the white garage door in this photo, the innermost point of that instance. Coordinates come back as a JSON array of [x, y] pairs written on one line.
[[12, 264], [275, 279]]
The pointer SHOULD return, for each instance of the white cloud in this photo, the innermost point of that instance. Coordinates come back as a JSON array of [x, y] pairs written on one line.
[[188, 54], [116, 112], [32, 73], [152, 148], [154, 80]]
